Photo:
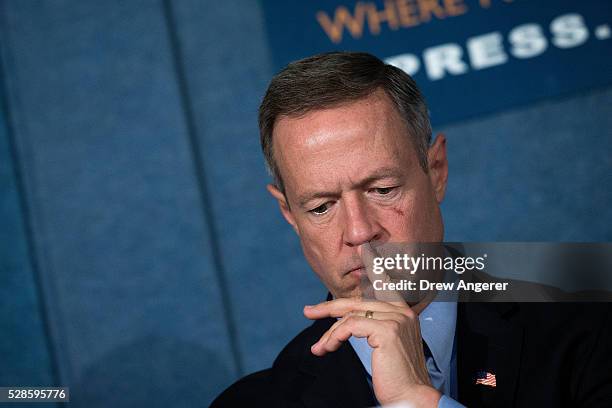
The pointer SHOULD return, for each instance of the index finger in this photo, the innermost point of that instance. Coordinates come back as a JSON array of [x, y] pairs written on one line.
[[343, 306]]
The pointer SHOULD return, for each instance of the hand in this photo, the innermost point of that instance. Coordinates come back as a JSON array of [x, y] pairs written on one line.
[[399, 371]]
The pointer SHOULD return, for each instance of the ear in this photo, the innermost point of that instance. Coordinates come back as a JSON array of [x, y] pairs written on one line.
[[438, 166], [284, 206]]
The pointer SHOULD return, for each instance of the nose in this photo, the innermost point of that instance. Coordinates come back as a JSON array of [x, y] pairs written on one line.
[[360, 222]]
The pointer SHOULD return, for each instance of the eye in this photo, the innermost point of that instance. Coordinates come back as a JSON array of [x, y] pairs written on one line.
[[320, 210], [384, 190]]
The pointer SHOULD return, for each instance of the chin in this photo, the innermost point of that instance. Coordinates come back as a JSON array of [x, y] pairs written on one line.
[[348, 292]]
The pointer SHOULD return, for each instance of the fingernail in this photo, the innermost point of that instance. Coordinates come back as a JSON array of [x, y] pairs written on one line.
[[308, 307]]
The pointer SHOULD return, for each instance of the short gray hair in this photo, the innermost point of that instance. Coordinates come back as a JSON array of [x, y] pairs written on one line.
[[332, 79]]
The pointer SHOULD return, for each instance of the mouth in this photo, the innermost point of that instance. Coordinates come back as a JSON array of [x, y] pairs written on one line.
[[358, 271]]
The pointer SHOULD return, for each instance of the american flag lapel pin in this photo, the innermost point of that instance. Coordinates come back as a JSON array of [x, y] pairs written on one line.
[[486, 378]]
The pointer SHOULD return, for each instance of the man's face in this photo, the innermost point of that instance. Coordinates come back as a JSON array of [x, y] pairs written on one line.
[[351, 176]]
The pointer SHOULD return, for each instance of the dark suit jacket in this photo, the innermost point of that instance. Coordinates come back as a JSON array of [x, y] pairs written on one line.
[[542, 354]]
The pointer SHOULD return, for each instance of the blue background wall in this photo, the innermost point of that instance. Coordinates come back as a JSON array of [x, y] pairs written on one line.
[[141, 259]]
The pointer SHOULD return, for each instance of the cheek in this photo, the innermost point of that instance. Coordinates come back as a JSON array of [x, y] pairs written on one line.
[[318, 250], [414, 219]]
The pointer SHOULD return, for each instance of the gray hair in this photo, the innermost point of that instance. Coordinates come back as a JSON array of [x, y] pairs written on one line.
[[332, 79]]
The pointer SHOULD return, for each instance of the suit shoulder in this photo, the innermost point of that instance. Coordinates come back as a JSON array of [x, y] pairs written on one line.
[[293, 353], [568, 314], [275, 386], [253, 390]]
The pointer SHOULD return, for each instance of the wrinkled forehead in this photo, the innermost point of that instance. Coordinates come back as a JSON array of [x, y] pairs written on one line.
[[374, 109], [342, 140]]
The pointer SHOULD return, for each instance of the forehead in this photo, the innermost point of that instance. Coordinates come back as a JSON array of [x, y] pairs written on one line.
[[342, 141], [377, 106]]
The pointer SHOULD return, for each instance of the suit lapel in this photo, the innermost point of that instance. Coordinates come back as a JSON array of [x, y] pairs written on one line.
[[339, 378], [489, 340]]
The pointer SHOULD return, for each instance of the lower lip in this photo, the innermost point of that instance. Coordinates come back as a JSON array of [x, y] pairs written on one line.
[[359, 273]]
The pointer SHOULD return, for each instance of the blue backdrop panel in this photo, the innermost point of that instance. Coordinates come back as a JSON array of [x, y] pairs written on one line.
[[120, 233], [24, 346], [542, 173], [268, 279]]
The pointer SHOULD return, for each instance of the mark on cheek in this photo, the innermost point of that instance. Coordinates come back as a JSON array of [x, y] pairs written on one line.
[[398, 211]]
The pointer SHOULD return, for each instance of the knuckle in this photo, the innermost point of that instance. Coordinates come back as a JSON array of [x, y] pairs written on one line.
[[394, 326], [403, 319], [352, 322], [409, 313], [342, 332]]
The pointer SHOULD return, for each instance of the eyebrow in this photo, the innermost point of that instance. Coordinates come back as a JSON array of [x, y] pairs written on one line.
[[378, 174]]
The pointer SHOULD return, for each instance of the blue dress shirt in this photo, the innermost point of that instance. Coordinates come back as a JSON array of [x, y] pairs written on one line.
[[437, 323]]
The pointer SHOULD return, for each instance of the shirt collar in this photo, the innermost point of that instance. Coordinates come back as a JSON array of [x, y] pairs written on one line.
[[438, 322]]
